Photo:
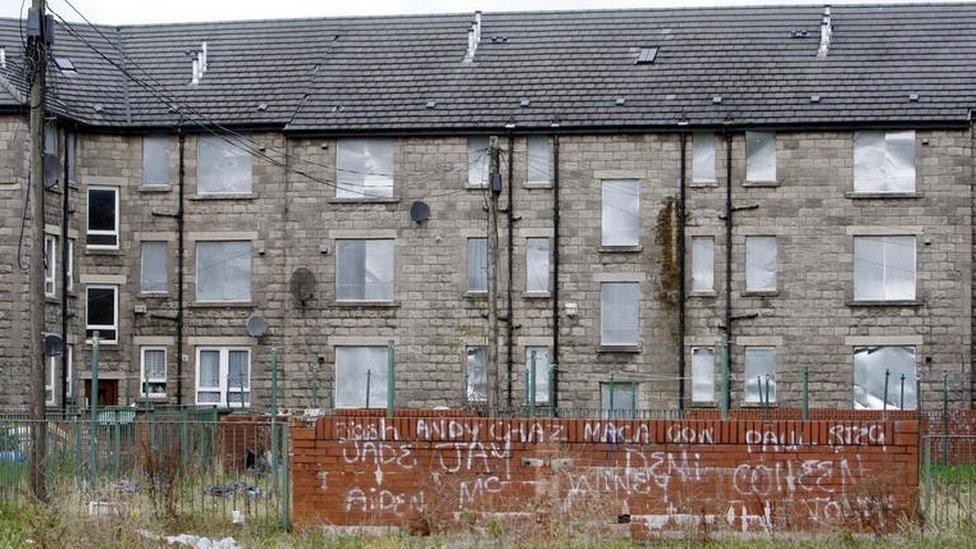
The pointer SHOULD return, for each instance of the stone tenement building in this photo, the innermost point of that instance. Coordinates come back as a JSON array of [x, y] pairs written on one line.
[[217, 171]]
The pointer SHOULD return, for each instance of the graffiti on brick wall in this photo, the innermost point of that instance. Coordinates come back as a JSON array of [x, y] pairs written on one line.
[[666, 472]]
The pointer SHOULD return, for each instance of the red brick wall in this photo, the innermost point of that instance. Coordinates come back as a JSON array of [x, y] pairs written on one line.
[[441, 473]]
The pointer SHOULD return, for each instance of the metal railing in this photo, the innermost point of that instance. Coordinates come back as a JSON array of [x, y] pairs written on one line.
[[948, 482], [237, 470]]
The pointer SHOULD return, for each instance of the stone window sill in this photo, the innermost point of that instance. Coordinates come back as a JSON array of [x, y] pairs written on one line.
[[888, 303], [760, 293], [103, 251], [476, 295], [703, 184], [373, 200], [876, 196], [221, 304], [227, 196], [536, 295], [621, 249], [52, 299], [155, 190], [703, 293], [537, 184], [152, 295], [631, 349], [367, 304], [761, 184]]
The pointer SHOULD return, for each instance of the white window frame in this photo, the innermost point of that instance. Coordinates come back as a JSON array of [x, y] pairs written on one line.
[[52, 368], [102, 232], [50, 265], [143, 380], [103, 327], [71, 264], [70, 376], [223, 385], [884, 269]]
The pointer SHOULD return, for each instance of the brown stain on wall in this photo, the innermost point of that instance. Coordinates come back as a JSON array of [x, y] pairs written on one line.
[[666, 239]]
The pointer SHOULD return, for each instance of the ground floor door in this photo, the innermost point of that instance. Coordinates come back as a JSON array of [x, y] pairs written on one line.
[[108, 392]]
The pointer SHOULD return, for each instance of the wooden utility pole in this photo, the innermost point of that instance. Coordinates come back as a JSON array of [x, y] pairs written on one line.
[[37, 53], [494, 190]]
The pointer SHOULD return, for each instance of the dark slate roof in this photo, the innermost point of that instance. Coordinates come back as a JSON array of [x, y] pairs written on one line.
[[339, 75]]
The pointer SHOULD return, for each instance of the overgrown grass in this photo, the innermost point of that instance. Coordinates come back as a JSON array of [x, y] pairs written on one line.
[[954, 474]]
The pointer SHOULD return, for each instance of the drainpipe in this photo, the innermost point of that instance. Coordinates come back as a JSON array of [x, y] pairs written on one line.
[[510, 329], [555, 274], [727, 339], [180, 253], [64, 276], [681, 273]]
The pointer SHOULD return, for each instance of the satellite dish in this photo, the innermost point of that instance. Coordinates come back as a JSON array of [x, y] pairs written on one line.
[[419, 212], [302, 285], [257, 326], [53, 346], [52, 170]]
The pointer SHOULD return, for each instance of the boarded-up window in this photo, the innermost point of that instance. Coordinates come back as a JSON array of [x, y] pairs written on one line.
[[621, 213], [537, 266], [702, 264], [761, 263], [702, 374], [478, 161], [619, 310], [155, 162], [477, 265], [703, 157], [884, 268], [760, 374], [539, 171], [50, 264], [223, 165], [361, 377], [760, 157], [153, 268], [618, 399], [541, 368], [870, 366], [223, 271], [884, 162], [476, 374], [365, 168], [365, 270]]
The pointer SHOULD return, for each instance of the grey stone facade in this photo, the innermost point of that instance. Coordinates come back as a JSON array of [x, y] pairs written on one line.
[[293, 221]]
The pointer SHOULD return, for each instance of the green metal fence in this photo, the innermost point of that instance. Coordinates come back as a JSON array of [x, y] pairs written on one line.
[[948, 481], [170, 463]]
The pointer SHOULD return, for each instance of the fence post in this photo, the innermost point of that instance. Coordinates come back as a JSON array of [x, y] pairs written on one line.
[[552, 403], [927, 472], [901, 400], [918, 391], [884, 406], [93, 413], [725, 403], [276, 445], [806, 392], [286, 475], [945, 418], [390, 379], [369, 374], [531, 386], [612, 387]]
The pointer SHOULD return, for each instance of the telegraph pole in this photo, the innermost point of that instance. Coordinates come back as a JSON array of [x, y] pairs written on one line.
[[37, 53], [494, 190]]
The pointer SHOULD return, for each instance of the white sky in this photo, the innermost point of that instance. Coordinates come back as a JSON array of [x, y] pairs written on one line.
[[160, 11]]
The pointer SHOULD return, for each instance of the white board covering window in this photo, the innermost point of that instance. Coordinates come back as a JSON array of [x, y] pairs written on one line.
[[103, 218], [702, 374], [760, 157], [870, 365], [537, 266], [153, 268], [364, 168], [760, 374], [477, 265], [155, 162], [223, 165], [618, 399], [365, 270], [539, 170], [153, 372], [50, 265], [102, 312], [703, 157], [542, 372], [621, 213], [49, 377], [71, 264], [761, 263], [476, 374], [884, 162], [223, 271], [702, 264], [884, 268], [361, 371], [619, 310], [478, 161], [223, 377]]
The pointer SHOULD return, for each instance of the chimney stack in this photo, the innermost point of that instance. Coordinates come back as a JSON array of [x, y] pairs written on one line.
[[196, 72], [474, 37], [826, 30]]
